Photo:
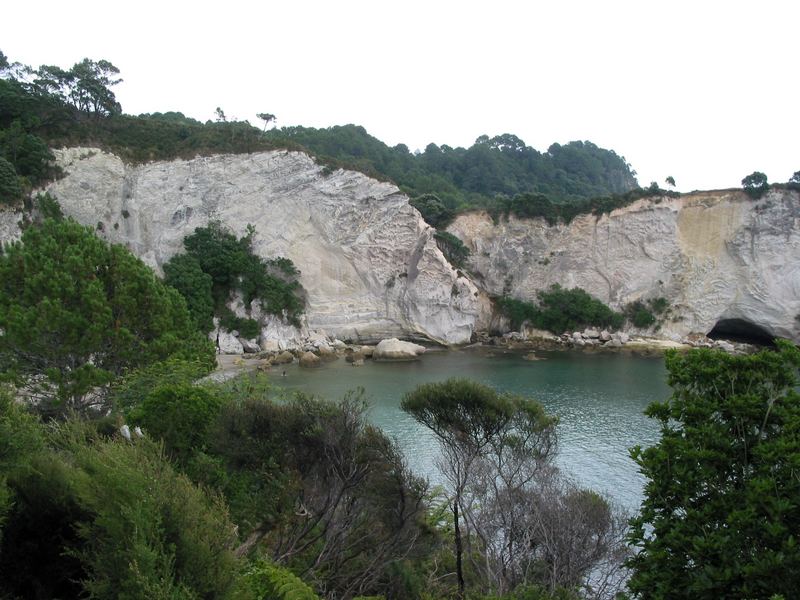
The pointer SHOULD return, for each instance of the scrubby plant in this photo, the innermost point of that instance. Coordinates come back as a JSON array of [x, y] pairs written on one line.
[[453, 248], [559, 310]]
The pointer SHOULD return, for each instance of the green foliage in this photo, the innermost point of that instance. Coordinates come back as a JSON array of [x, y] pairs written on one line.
[[721, 512], [106, 518], [77, 312], [247, 328], [10, 190], [560, 310], [453, 248], [433, 210], [180, 415], [320, 488], [21, 440], [128, 390], [184, 273], [486, 437], [644, 314], [537, 205], [755, 184], [86, 86], [216, 264], [266, 580], [459, 177]]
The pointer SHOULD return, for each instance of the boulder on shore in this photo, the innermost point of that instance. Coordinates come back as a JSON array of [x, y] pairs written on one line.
[[394, 349], [309, 359], [249, 347], [284, 358]]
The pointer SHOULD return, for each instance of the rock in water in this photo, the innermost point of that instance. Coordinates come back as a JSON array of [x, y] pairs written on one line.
[[394, 349], [309, 359]]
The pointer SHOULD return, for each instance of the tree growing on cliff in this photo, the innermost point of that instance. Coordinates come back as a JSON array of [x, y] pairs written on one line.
[[75, 313], [721, 514], [755, 184]]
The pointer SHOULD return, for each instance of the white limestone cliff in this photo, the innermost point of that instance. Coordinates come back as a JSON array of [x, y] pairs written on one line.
[[716, 256], [368, 261]]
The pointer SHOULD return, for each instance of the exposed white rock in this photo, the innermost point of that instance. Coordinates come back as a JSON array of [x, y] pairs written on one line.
[[368, 261], [394, 349], [225, 342], [248, 346], [714, 255]]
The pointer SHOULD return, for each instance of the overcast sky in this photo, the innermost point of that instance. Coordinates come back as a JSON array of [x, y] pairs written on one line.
[[704, 91]]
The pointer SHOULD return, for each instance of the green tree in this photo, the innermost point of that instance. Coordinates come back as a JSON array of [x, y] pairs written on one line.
[[267, 118], [670, 181], [184, 273], [86, 86], [474, 425], [721, 514], [755, 184], [10, 190], [77, 312]]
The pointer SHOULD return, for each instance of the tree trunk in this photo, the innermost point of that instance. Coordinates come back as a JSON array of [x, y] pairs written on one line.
[[459, 551]]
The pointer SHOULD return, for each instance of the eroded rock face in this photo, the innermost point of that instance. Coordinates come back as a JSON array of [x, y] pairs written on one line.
[[713, 255], [368, 261]]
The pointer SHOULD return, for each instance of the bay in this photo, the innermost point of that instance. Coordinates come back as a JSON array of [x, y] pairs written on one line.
[[598, 397]]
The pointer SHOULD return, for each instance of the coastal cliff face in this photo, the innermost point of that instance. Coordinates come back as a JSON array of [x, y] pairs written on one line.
[[372, 269], [718, 257], [368, 261]]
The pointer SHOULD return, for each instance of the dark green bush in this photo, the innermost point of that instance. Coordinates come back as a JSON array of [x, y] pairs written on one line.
[[180, 414], [217, 264], [560, 310], [453, 248]]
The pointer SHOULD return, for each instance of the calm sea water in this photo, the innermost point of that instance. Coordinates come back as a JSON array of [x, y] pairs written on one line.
[[599, 399]]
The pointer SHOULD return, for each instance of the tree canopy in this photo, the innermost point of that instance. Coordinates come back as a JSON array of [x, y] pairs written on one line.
[[755, 184], [721, 514], [76, 312]]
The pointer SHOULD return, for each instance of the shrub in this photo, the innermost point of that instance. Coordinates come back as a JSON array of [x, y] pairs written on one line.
[[560, 310], [180, 415], [215, 253], [107, 518], [453, 248]]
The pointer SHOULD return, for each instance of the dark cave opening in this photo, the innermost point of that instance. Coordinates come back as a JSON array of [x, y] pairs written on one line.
[[741, 331]]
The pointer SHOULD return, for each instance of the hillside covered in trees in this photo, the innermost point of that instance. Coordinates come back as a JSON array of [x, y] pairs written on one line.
[[53, 107]]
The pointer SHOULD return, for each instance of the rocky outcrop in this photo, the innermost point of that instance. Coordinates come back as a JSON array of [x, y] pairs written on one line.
[[368, 261], [718, 257]]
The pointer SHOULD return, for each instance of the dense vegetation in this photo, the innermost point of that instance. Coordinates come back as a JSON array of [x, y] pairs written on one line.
[[560, 310], [498, 166], [721, 515], [50, 106], [217, 264], [76, 313]]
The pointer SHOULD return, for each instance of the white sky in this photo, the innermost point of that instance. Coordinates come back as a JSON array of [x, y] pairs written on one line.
[[706, 91]]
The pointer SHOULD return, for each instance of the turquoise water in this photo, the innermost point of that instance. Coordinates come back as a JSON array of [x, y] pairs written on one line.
[[599, 399]]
